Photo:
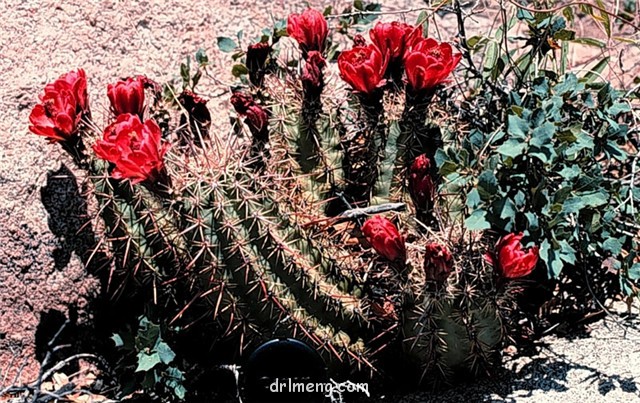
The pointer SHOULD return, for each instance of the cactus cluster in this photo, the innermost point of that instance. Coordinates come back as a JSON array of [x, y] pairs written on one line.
[[272, 237]]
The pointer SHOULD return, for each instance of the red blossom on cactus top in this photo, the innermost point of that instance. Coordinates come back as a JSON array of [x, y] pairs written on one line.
[[61, 107], [390, 37], [385, 238], [421, 187], [511, 260], [438, 262], [429, 64], [127, 96], [363, 67], [136, 149], [309, 29]]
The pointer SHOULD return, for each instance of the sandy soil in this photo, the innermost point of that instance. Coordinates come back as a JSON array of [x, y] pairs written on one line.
[[47, 271]]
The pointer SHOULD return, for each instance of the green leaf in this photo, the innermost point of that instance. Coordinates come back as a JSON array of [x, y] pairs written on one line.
[[477, 221], [618, 108], [567, 253], [165, 352], [490, 56], [634, 272], [184, 74], [612, 245], [487, 185], [517, 127], [551, 258], [226, 45], [473, 199], [508, 210], [587, 199], [512, 148], [173, 378], [570, 172], [117, 340], [595, 72], [239, 69], [590, 42], [564, 35], [567, 86], [147, 361], [201, 57]]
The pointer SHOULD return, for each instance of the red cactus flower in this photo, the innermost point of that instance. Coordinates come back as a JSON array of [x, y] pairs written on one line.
[[135, 148], [312, 79], [511, 260], [257, 120], [438, 262], [257, 117], [198, 113], [241, 101], [127, 96], [428, 64], [421, 187], [411, 39], [363, 67], [390, 37], [309, 29], [385, 238], [257, 55], [61, 107]]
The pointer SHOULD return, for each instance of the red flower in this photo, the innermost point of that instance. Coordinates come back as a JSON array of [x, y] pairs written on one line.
[[257, 55], [127, 96], [257, 120], [363, 68], [312, 79], [198, 113], [385, 238], [438, 262], [241, 101], [428, 64], [421, 186], [135, 148], [390, 37], [257, 117], [61, 107], [309, 29], [510, 260]]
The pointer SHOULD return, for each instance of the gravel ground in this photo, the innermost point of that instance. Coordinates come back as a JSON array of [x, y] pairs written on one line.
[[44, 239]]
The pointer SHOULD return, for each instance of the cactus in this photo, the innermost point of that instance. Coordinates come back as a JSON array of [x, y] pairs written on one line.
[[262, 247]]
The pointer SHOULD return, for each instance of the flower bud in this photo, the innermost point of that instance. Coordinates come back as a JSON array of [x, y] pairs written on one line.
[[421, 187], [127, 96], [385, 238], [312, 78], [438, 262], [511, 260], [257, 55]]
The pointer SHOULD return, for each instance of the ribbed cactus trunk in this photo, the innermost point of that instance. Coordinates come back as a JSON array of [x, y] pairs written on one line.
[[258, 242]]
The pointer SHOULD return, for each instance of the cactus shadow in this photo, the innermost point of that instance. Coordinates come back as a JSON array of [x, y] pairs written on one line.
[[69, 221]]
